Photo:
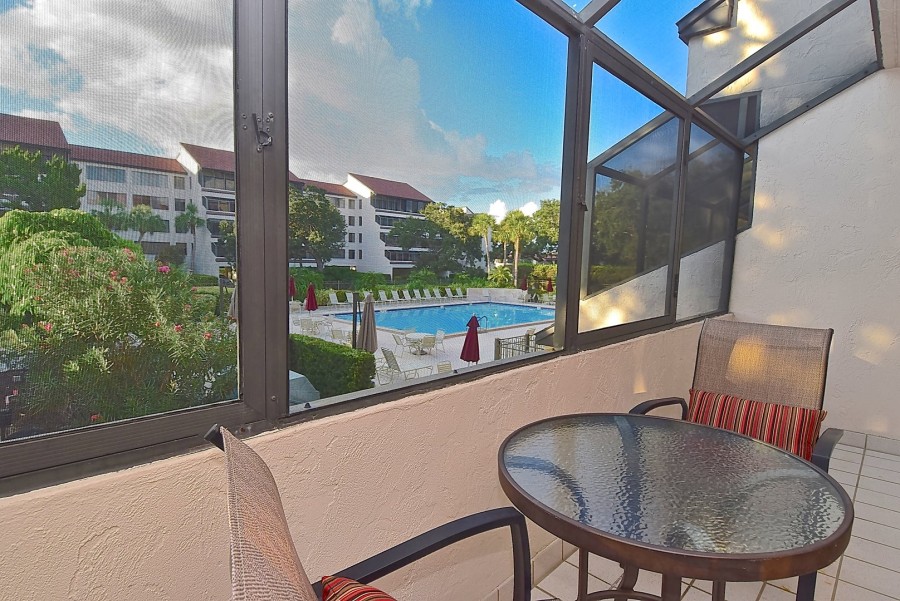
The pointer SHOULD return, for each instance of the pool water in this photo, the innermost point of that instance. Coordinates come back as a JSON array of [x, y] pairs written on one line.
[[453, 318]]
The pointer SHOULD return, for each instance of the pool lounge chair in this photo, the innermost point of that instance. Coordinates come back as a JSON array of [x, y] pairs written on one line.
[[450, 294], [388, 370], [384, 299], [332, 297], [418, 296], [428, 297], [396, 296], [437, 295], [459, 293], [407, 297]]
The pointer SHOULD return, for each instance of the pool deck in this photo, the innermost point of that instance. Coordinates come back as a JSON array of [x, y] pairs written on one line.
[[453, 343]]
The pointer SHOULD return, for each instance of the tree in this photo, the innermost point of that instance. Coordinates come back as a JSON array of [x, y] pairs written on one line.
[[144, 221], [111, 214], [517, 227], [445, 233], [315, 227], [546, 228], [227, 244], [189, 221], [30, 183], [482, 224]]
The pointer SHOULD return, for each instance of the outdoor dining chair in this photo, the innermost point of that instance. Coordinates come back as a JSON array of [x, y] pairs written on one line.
[[265, 565], [388, 369], [427, 344], [439, 339], [775, 374]]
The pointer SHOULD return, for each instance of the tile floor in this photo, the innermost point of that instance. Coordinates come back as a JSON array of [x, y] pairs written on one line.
[[869, 469]]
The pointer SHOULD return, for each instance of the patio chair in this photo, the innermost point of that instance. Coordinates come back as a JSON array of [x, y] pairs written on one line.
[[333, 299], [401, 343], [342, 336], [388, 369], [264, 560], [437, 295], [396, 296], [450, 295], [427, 344], [407, 297], [383, 296], [445, 367], [777, 370], [439, 339], [418, 295], [460, 294], [308, 326], [529, 340]]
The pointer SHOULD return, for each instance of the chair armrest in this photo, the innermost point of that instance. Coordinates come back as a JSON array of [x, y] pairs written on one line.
[[416, 548], [647, 406], [821, 456]]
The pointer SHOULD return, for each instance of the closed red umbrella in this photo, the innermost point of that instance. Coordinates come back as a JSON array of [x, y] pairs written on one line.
[[292, 287], [524, 285], [311, 304], [549, 285], [470, 350]]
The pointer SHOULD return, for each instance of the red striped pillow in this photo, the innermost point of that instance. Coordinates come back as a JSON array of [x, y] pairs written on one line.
[[344, 589], [794, 429]]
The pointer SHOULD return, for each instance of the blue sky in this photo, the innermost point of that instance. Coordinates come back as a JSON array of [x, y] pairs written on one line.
[[462, 100]]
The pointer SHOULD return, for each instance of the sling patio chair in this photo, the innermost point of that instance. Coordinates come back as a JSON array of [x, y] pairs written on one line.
[[406, 297], [450, 295], [388, 369], [396, 296], [384, 298], [776, 373], [332, 297], [265, 565], [418, 295]]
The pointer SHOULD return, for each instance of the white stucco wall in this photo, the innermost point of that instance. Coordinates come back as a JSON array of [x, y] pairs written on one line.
[[352, 485], [824, 249]]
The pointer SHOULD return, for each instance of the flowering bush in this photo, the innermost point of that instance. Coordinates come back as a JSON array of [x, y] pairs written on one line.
[[113, 336]]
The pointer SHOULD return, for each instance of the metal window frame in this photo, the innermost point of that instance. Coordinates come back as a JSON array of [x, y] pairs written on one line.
[[31, 463]]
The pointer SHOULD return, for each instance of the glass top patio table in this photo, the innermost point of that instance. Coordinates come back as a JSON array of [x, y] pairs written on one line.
[[676, 497]]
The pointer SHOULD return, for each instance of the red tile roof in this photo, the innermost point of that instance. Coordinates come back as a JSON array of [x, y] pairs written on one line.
[[211, 158], [388, 187], [125, 159], [32, 132], [335, 189]]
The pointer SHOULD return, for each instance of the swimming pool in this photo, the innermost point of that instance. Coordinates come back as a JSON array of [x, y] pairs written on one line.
[[453, 318]]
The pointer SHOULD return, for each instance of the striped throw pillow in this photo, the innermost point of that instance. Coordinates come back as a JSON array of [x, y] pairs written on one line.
[[344, 589], [793, 429]]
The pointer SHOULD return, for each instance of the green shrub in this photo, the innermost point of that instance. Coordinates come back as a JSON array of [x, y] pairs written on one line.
[[333, 273], [303, 277], [605, 276], [171, 256], [544, 271], [201, 279], [18, 226], [332, 368], [371, 281], [501, 277], [421, 278]]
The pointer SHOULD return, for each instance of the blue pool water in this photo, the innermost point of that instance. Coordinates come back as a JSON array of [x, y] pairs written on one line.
[[453, 318]]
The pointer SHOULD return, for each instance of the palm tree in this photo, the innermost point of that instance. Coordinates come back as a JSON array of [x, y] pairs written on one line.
[[482, 223], [189, 221], [112, 214], [145, 221], [517, 227]]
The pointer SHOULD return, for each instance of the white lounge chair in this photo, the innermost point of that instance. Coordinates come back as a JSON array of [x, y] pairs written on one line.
[[387, 370], [332, 297], [437, 295], [396, 296], [460, 294], [450, 294], [428, 297], [418, 296], [383, 296], [407, 297]]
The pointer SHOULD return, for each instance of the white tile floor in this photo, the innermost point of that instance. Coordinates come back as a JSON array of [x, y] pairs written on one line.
[[868, 571]]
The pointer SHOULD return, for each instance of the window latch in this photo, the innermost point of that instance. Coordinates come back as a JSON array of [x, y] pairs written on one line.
[[263, 135]]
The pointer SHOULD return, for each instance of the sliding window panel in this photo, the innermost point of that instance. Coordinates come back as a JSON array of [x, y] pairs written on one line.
[[629, 230], [119, 320], [713, 191]]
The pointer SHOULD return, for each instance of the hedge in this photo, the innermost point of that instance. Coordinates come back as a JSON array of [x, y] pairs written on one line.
[[332, 368], [202, 279]]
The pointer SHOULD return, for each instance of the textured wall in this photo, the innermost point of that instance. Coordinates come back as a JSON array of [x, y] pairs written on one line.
[[352, 485], [824, 249]]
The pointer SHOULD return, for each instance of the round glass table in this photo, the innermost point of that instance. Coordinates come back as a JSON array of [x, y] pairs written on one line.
[[676, 498]]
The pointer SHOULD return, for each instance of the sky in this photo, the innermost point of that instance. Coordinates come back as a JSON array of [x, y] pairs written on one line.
[[462, 99]]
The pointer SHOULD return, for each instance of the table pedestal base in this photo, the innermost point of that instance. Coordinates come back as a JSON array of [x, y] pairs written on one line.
[[671, 586]]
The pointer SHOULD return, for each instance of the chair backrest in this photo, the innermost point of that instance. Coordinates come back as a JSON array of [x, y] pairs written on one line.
[[332, 296], [383, 295], [417, 294], [427, 293], [439, 335], [459, 293], [398, 339], [390, 359], [767, 363], [428, 342], [406, 295], [449, 293], [264, 561], [395, 295], [437, 293], [444, 367]]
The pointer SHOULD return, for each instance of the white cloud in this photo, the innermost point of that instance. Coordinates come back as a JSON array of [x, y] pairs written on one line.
[[529, 208], [498, 210], [161, 73]]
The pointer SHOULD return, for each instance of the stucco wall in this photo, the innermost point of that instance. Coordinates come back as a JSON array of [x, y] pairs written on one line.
[[352, 485], [824, 249]]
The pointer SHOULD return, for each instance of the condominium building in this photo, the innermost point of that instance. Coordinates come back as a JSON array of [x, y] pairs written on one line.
[[205, 177]]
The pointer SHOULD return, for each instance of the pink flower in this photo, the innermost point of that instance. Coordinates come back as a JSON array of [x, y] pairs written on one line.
[[193, 289], [156, 324], [114, 274], [48, 326], [123, 280], [96, 417], [179, 327], [207, 335], [163, 269]]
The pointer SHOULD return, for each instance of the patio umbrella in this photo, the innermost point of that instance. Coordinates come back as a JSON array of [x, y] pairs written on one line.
[[292, 287], [549, 285], [470, 351], [368, 336], [524, 285], [311, 304], [233, 305]]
